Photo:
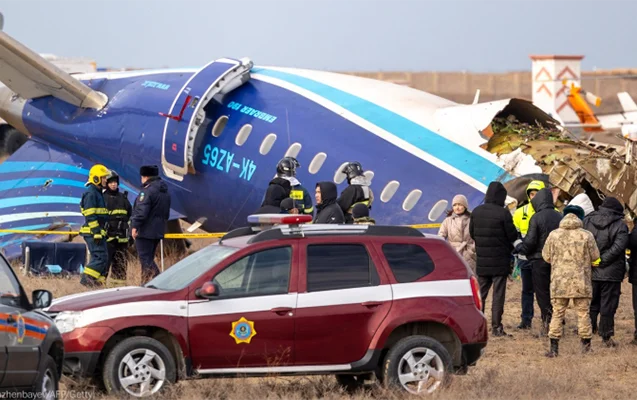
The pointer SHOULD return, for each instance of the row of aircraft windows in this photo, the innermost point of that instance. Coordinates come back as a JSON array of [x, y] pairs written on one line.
[[317, 162]]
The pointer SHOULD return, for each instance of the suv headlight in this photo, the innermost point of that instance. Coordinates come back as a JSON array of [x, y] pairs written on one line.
[[66, 321]]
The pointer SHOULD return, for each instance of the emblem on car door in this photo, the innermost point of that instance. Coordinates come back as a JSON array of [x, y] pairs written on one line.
[[243, 330]]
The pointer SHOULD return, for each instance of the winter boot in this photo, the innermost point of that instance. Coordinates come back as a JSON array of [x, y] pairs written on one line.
[[554, 348], [524, 325], [586, 345], [90, 282], [609, 342], [499, 332], [544, 331]]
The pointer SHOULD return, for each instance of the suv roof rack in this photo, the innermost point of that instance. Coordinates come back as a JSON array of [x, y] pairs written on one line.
[[292, 231]]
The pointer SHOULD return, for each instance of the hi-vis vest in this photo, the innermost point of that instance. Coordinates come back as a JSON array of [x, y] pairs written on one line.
[[302, 200], [522, 218]]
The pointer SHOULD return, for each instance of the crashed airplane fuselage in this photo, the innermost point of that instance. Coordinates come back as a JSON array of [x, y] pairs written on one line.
[[217, 133]]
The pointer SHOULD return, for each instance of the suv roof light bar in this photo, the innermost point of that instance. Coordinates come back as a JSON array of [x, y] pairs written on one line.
[[285, 231]]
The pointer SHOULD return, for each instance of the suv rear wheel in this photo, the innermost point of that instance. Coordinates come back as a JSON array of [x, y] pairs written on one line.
[[140, 366], [417, 364]]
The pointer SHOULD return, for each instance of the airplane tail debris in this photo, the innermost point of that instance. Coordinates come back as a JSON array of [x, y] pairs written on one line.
[[572, 165]]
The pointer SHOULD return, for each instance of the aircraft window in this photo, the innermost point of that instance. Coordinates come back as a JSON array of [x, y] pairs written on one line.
[[219, 126], [389, 191], [267, 144], [293, 151], [369, 175], [243, 134], [437, 210], [339, 176], [317, 163], [411, 199]]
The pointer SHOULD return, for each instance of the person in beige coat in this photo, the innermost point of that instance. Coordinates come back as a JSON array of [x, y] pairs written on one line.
[[455, 228]]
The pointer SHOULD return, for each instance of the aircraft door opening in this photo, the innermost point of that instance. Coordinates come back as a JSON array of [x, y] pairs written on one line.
[[187, 112]]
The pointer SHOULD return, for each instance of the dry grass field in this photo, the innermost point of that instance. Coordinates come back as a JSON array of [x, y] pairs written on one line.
[[512, 368]]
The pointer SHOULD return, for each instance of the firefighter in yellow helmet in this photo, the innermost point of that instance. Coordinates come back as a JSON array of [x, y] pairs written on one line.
[[95, 213], [521, 219]]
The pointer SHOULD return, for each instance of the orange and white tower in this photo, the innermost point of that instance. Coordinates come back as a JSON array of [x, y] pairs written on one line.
[[549, 93]]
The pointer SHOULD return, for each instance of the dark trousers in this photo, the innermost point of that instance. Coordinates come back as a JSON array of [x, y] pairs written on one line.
[[146, 249], [527, 291], [605, 302], [499, 290], [635, 306], [98, 263], [541, 273], [117, 257]]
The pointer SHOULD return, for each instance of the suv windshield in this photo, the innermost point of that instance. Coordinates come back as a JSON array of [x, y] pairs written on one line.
[[9, 287], [190, 268]]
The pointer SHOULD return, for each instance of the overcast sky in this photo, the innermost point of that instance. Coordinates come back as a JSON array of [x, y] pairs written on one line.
[[352, 35]]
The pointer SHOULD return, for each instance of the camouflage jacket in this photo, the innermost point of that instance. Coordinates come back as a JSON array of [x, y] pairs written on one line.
[[364, 221], [571, 251]]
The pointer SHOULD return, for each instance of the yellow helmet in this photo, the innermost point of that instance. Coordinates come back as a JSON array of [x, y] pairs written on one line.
[[97, 172]]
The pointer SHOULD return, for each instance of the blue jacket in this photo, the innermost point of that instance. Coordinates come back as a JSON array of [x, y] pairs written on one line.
[[94, 210], [151, 210]]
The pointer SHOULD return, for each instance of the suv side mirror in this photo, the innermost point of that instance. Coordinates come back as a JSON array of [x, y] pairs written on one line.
[[207, 291], [41, 298]]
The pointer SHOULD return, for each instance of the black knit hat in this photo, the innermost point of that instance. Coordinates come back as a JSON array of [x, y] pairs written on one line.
[[149, 170]]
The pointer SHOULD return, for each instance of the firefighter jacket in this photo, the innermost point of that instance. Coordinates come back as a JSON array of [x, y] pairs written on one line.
[[94, 210], [119, 213]]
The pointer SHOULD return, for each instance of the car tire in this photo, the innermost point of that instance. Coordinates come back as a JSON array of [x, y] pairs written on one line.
[[47, 384], [423, 374], [143, 360]]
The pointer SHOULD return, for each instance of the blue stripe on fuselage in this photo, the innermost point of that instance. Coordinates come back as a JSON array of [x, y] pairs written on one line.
[[443, 149]]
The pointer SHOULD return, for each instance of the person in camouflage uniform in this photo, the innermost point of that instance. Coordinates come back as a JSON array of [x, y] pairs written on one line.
[[571, 251]]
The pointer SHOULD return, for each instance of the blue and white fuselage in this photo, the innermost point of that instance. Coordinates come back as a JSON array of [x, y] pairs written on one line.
[[419, 150]]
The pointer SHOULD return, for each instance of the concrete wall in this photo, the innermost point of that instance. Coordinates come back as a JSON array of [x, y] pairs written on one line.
[[461, 87]]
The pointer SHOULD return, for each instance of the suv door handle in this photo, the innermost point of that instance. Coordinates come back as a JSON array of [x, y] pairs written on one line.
[[281, 310], [371, 304]]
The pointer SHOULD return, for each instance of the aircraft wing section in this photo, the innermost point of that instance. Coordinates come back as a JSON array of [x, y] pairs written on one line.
[[40, 189], [30, 76], [627, 102]]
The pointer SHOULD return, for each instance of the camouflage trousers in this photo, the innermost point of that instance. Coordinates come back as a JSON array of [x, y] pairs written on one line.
[[582, 306]]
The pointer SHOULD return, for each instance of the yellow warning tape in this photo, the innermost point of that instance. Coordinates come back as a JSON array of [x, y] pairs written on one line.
[[169, 235]]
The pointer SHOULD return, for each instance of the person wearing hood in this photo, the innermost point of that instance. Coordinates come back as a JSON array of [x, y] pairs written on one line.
[[583, 201], [117, 228], [358, 191], [544, 221], [327, 210], [570, 250], [455, 228], [611, 234], [278, 190], [150, 214], [491, 227], [286, 169], [521, 219], [632, 276], [360, 212]]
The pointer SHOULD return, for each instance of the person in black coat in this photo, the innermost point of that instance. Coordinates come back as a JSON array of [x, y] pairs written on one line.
[[278, 190], [328, 211], [491, 227], [632, 276], [148, 222], [545, 220], [611, 235]]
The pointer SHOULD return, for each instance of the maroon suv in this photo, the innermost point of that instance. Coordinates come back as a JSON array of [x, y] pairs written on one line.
[[356, 301]]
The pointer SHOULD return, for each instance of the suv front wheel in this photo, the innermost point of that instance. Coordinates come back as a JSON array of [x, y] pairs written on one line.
[[140, 366], [417, 364]]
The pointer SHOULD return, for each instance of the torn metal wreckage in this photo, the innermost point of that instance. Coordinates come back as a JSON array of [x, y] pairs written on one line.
[[571, 164]]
